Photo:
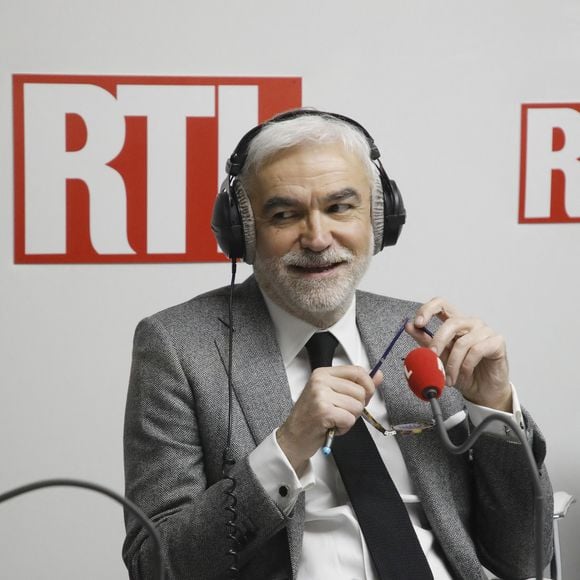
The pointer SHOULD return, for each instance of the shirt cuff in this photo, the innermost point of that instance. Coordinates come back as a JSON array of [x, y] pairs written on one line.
[[477, 413], [274, 472]]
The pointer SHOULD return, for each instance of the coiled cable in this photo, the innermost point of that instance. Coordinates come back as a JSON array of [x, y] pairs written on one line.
[[228, 461]]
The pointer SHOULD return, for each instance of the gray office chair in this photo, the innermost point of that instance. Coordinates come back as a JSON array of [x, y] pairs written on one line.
[[562, 502]]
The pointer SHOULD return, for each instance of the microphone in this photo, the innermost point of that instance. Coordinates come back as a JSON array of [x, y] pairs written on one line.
[[426, 377], [425, 373]]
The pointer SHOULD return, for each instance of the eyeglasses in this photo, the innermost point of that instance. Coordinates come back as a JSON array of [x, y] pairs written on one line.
[[404, 428]]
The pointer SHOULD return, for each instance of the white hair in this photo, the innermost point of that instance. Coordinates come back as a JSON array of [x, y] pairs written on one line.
[[306, 129]]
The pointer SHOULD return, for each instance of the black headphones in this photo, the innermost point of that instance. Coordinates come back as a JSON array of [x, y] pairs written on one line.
[[233, 222]]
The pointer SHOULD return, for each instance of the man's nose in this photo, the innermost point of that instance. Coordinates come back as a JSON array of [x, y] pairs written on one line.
[[316, 234]]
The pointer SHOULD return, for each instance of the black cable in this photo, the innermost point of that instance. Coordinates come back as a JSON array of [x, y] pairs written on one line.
[[159, 571], [228, 460]]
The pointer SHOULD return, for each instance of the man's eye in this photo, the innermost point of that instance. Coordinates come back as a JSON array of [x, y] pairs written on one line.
[[339, 208], [282, 216]]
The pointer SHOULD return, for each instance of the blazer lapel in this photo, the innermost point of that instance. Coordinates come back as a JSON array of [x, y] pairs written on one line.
[[259, 379], [378, 320], [428, 463]]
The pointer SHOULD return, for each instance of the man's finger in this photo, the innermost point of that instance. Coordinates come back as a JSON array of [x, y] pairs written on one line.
[[435, 307], [465, 354], [452, 330]]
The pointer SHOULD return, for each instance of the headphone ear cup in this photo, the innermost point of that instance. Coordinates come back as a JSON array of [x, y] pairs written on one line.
[[378, 216], [247, 221], [395, 214], [226, 223]]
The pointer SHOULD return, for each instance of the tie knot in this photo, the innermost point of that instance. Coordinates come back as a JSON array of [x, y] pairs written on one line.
[[321, 347]]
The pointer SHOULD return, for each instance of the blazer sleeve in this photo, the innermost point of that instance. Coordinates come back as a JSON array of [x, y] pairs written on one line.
[[504, 511], [165, 473]]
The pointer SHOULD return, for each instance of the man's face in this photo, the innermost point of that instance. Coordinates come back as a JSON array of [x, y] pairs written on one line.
[[314, 236]]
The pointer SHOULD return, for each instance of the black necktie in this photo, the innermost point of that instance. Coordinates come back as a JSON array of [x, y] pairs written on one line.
[[380, 511], [320, 348]]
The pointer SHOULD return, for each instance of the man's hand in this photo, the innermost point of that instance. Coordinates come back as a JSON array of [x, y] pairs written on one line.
[[334, 397], [474, 355]]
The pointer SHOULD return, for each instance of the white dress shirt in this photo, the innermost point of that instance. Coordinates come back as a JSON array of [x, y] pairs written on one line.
[[333, 545]]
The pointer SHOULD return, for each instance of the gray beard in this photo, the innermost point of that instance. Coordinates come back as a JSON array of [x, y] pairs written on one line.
[[319, 302]]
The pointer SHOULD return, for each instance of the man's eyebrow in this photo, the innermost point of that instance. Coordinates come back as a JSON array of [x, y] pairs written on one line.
[[344, 195], [279, 201], [282, 201]]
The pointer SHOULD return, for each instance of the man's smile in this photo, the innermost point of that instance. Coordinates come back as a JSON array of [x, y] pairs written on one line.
[[316, 271]]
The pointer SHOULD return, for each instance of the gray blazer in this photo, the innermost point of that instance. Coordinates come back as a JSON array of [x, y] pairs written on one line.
[[480, 508]]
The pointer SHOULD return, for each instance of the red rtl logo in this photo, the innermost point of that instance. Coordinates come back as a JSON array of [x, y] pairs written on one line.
[[126, 169], [550, 163]]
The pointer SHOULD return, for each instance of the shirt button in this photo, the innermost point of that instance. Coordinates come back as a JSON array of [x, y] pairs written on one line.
[[283, 490]]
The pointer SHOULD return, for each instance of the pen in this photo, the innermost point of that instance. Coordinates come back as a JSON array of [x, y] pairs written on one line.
[[327, 448], [328, 442]]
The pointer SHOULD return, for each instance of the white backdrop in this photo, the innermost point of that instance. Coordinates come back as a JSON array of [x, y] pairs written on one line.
[[439, 84]]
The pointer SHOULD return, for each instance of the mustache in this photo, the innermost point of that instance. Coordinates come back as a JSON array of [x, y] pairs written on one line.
[[309, 259]]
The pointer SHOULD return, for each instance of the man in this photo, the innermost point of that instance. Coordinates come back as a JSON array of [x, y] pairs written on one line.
[[312, 204]]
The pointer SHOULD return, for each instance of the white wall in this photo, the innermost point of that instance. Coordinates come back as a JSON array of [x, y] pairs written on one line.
[[439, 84]]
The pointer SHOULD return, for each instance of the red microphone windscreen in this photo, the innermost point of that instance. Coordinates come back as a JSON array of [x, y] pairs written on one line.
[[424, 370]]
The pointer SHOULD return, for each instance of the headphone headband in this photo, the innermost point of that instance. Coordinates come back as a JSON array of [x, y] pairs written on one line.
[[237, 159], [232, 220]]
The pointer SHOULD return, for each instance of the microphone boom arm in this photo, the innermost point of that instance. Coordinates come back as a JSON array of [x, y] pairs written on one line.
[[539, 499]]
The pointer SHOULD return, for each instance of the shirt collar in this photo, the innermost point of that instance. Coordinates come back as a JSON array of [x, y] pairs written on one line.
[[293, 333]]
